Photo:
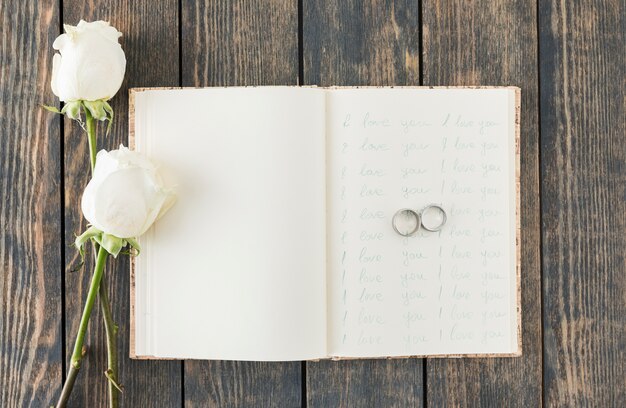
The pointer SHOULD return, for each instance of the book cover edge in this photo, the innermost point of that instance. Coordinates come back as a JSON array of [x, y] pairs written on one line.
[[517, 353]]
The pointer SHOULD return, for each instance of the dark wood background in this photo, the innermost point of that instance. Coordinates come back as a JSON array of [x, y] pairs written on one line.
[[568, 58]]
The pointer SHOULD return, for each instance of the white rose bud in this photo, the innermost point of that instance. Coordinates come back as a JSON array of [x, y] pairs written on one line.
[[90, 64], [126, 194]]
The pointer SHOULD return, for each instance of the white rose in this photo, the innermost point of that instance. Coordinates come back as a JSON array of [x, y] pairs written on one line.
[[126, 194], [90, 65]]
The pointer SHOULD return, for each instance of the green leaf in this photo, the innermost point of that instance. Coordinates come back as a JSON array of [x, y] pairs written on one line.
[[52, 109]]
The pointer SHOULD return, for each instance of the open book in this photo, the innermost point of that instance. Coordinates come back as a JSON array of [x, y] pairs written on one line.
[[281, 246]]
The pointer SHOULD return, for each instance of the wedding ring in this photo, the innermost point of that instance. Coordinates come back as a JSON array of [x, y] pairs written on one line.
[[406, 222], [433, 217]]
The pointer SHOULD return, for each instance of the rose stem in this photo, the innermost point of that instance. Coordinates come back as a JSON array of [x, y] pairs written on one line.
[[78, 353], [111, 333], [91, 137], [105, 306]]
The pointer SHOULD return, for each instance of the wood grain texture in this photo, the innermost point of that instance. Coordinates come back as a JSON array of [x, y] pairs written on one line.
[[583, 162], [240, 42], [365, 383], [583, 184], [150, 41], [362, 43], [30, 208], [236, 43], [487, 43]]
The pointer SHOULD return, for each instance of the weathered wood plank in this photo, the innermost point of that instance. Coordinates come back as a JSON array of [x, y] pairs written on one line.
[[365, 383], [150, 41], [489, 42], [240, 43], [583, 139], [356, 43], [236, 43], [30, 209]]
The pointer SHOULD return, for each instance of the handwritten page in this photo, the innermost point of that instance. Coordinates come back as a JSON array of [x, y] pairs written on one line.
[[446, 292], [235, 270]]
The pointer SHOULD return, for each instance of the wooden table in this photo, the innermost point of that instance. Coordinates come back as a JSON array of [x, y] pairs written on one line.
[[568, 58]]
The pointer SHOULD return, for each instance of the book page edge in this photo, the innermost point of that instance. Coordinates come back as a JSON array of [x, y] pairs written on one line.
[[518, 217], [131, 146]]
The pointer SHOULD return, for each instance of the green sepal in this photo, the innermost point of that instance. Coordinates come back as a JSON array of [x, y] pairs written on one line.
[[100, 109], [72, 109], [80, 241], [52, 109], [97, 109], [111, 243], [109, 111], [132, 242], [79, 264]]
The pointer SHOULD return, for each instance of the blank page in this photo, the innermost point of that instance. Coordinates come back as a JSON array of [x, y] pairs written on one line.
[[435, 293], [235, 270]]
